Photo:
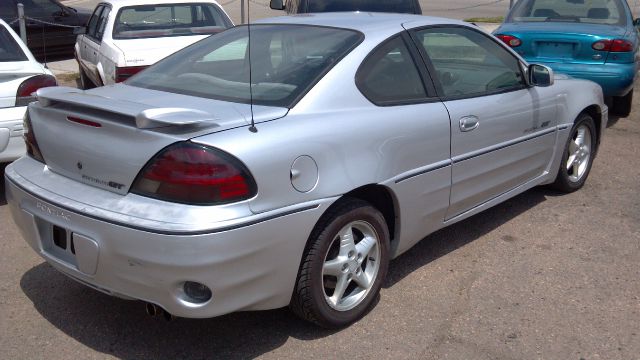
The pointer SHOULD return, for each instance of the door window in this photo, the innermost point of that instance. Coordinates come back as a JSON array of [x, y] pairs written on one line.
[[102, 23], [468, 63], [389, 75], [92, 26], [8, 11]]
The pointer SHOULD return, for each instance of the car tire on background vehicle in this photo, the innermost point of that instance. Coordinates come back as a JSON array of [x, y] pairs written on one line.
[[578, 155], [348, 248], [85, 82], [622, 104]]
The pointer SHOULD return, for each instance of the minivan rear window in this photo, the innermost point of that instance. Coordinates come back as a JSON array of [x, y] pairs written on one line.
[[148, 21], [9, 48]]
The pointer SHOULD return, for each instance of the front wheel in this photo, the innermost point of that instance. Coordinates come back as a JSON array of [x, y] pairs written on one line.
[[578, 155], [344, 265], [85, 82]]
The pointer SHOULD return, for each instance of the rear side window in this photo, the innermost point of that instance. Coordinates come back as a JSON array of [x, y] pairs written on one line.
[[389, 75], [9, 48], [147, 21]]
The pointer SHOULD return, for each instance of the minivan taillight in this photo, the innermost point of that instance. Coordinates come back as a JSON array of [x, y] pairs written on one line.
[[615, 45], [123, 73], [195, 174], [30, 139], [510, 40], [25, 91]]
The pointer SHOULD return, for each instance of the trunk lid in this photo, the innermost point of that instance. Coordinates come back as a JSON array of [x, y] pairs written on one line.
[[148, 51], [103, 137], [561, 42]]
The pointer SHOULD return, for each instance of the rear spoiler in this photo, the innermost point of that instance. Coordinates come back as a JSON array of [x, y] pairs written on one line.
[[145, 116]]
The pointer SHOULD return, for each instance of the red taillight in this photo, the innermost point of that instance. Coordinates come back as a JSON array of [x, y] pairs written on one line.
[[510, 40], [30, 139], [123, 73], [195, 174], [615, 45], [30, 86]]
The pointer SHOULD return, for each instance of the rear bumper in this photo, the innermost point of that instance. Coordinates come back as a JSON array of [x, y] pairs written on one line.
[[11, 143], [247, 267], [615, 79]]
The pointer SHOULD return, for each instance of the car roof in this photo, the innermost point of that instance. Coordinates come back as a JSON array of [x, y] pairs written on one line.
[[121, 3], [366, 22]]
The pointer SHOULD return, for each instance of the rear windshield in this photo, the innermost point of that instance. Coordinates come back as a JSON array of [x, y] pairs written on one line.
[[392, 6], [286, 60], [147, 21], [584, 11], [9, 48]]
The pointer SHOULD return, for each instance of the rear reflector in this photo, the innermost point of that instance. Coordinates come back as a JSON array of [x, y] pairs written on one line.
[[195, 174], [615, 45], [510, 40], [31, 85], [123, 73]]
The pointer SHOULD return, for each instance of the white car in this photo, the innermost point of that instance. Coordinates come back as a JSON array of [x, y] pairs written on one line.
[[20, 76], [123, 37]]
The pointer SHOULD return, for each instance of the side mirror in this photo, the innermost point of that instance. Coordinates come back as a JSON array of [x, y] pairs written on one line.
[[79, 30], [540, 75], [276, 4]]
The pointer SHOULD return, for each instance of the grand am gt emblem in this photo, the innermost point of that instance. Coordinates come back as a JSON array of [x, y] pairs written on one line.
[[111, 184], [52, 211]]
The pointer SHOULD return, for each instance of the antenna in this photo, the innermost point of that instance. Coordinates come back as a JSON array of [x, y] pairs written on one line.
[[252, 128]]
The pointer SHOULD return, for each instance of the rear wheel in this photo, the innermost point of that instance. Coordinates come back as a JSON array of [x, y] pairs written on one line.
[[344, 265], [578, 155], [622, 104]]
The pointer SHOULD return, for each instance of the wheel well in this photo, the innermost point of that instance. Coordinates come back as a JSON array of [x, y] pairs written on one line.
[[596, 113], [380, 197]]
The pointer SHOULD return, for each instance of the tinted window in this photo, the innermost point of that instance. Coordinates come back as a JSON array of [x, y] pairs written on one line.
[[40, 8], [584, 11], [393, 6], [389, 75], [286, 60], [468, 62], [102, 22], [9, 48], [8, 11], [145, 21], [92, 26]]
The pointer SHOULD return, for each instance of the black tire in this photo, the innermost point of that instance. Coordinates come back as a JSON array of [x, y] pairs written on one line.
[[570, 180], [622, 104], [85, 82], [309, 297]]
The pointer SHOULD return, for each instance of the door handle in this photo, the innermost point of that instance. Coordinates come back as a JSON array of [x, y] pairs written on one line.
[[468, 123]]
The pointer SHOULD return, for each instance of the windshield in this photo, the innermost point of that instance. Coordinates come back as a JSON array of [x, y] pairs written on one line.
[[392, 6], [286, 60], [585, 11], [9, 48], [146, 21]]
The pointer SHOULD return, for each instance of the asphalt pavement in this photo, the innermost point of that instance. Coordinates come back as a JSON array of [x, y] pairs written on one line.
[[541, 276]]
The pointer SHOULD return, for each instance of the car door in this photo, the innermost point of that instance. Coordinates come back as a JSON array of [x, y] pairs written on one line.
[[42, 29], [413, 129], [502, 130], [93, 41]]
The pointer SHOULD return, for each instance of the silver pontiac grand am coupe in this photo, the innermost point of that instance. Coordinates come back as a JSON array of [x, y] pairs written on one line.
[[359, 134]]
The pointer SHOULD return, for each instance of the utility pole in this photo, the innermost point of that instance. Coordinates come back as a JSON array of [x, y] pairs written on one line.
[[242, 11], [21, 21]]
